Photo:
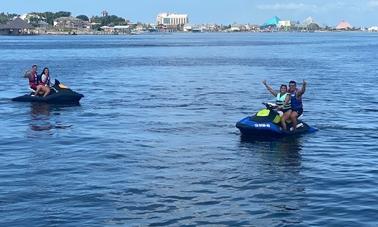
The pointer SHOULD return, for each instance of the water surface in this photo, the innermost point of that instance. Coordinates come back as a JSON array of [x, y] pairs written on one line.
[[154, 140]]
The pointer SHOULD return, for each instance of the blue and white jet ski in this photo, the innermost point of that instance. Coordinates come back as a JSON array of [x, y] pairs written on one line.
[[266, 124]]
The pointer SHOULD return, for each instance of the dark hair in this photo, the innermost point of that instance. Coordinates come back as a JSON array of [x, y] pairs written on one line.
[[34, 66], [43, 71], [283, 85], [292, 82]]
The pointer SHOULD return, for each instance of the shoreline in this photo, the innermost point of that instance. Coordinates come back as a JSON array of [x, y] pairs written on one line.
[[57, 33]]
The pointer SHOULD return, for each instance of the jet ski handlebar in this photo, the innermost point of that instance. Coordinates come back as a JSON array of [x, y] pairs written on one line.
[[269, 105]]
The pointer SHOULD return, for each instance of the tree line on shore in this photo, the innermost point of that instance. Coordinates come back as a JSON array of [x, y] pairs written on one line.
[[49, 17]]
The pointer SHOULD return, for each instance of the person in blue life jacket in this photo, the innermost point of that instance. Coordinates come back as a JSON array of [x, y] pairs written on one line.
[[283, 102], [296, 101], [43, 87]]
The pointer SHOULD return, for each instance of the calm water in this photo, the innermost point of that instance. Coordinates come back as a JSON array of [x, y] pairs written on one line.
[[154, 141]]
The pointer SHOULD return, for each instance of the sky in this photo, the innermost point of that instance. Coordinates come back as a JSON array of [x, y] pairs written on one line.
[[325, 12]]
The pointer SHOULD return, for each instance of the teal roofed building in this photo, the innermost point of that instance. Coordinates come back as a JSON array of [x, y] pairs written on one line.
[[272, 22]]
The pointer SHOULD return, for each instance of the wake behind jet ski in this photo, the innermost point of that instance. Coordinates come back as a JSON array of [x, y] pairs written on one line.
[[59, 94], [266, 124]]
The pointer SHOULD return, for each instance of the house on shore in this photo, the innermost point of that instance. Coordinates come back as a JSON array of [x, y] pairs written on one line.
[[16, 27], [70, 23]]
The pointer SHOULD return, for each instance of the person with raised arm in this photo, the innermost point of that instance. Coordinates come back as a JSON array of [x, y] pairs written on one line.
[[296, 101], [282, 101]]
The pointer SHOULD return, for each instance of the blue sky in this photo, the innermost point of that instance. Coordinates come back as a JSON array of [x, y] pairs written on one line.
[[329, 12]]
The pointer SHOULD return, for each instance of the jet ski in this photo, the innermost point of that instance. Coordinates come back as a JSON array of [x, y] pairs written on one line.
[[266, 124], [59, 94]]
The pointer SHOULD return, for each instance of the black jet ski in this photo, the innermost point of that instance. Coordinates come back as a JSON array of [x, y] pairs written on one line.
[[266, 124], [59, 94]]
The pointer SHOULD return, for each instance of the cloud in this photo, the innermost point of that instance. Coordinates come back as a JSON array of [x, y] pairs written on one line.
[[287, 6]]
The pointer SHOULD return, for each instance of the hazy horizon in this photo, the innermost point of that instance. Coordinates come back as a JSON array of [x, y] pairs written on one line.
[[357, 13]]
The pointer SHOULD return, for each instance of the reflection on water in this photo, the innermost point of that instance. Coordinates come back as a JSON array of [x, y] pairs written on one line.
[[45, 117], [40, 117], [277, 166]]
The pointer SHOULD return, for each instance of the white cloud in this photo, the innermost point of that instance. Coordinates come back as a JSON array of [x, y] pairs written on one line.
[[287, 6]]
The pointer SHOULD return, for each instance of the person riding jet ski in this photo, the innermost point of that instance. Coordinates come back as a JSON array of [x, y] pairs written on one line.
[[266, 122], [296, 101], [283, 102], [44, 83], [39, 84], [56, 94]]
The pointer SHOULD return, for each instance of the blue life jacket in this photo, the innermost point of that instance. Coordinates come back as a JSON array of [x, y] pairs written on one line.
[[296, 103]]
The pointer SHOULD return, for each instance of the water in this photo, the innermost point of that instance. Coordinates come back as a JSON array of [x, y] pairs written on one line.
[[154, 141]]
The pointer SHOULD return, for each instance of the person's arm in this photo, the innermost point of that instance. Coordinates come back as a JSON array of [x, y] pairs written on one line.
[[270, 89], [303, 89], [287, 99]]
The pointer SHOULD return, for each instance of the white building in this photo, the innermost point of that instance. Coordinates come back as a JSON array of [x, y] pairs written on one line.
[[373, 29], [172, 19], [30, 16], [284, 24]]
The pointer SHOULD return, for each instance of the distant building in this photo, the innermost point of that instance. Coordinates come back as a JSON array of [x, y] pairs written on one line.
[[285, 24], [187, 28], [30, 16], [16, 27], [107, 29], [373, 29], [235, 28], [104, 13], [310, 24], [43, 24], [170, 19], [307, 22], [63, 23], [343, 25], [122, 29], [271, 23]]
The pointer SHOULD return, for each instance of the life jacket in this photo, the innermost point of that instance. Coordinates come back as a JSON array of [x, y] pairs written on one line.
[[296, 103], [33, 81], [280, 101], [46, 82]]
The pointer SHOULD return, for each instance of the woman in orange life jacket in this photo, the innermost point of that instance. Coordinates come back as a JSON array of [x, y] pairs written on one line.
[[282, 101], [43, 83]]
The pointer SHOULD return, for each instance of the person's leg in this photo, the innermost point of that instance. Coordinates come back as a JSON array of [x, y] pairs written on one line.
[[38, 90], [285, 116], [46, 90], [293, 118]]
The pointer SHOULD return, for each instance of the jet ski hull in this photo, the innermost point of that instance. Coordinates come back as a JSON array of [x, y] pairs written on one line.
[[250, 128], [59, 94], [61, 97]]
